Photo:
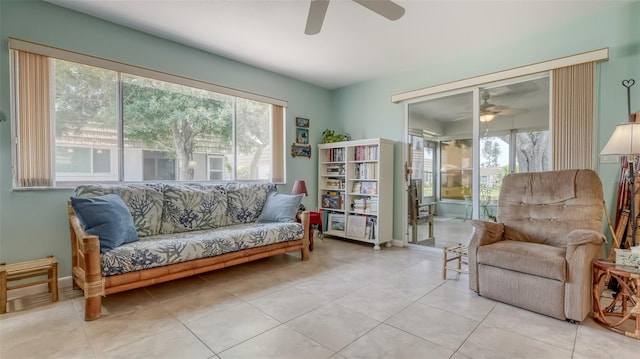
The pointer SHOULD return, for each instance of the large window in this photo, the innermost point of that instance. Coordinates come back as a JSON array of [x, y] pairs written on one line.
[[111, 125]]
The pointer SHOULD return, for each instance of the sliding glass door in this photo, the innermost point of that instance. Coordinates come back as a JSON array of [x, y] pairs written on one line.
[[472, 138]]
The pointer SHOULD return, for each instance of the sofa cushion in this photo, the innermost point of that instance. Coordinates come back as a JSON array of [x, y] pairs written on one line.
[[280, 208], [191, 207], [144, 202], [246, 201], [164, 249], [106, 217], [532, 258]]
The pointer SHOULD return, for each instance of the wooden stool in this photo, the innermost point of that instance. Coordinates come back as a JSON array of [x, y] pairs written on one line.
[[458, 253], [24, 270]]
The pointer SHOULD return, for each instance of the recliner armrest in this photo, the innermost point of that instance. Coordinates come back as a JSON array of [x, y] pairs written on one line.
[[484, 233], [579, 237], [487, 232]]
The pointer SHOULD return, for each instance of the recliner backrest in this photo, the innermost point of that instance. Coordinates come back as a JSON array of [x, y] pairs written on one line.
[[544, 207]]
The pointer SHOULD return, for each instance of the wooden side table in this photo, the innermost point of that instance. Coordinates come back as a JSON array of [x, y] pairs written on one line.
[[625, 306], [315, 221], [27, 270]]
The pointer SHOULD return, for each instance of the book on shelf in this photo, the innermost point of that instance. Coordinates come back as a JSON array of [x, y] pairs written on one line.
[[333, 200], [366, 153], [372, 226], [335, 154], [336, 222], [356, 187], [365, 205], [356, 226], [334, 183], [365, 171], [335, 169], [369, 187]]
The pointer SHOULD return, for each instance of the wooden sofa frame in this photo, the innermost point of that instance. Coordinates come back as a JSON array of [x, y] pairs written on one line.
[[87, 268]]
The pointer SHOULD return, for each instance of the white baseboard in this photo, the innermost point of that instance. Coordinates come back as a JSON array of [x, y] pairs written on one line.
[[397, 243], [63, 282]]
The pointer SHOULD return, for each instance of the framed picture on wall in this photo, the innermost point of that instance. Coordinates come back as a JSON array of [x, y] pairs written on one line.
[[302, 136], [298, 150], [302, 122]]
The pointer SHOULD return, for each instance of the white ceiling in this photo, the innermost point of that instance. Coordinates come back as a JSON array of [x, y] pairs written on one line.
[[354, 45]]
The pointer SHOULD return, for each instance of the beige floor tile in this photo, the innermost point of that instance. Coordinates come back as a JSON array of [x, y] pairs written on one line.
[[427, 270], [438, 326], [536, 326], [595, 341], [465, 303], [493, 343], [375, 303], [288, 303], [281, 342], [29, 325], [333, 326], [387, 342], [174, 343], [172, 289], [404, 286], [457, 281], [125, 302], [61, 344], [188, 308], [255, 286], [224, 329], [329, 286], [361, 273], [110, 332]]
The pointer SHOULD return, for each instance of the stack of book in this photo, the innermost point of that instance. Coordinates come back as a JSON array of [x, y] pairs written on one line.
[[373, 205], [359, 204]]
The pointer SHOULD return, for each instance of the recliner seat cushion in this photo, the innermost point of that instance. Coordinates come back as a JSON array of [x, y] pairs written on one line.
[[532, 258]]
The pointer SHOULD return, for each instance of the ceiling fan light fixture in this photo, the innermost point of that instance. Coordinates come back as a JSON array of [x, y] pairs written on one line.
[[487, 117]]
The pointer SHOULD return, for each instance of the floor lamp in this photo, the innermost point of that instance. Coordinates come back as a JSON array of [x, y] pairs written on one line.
[[625, 141]]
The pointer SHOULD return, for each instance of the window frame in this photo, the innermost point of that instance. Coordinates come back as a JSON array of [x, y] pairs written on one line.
[[278, 109]]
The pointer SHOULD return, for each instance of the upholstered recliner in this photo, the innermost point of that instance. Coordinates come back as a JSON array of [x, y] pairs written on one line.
[[538, 255]]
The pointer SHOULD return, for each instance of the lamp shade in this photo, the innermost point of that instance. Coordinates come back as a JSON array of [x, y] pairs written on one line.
[[299, 187], [625, 140]]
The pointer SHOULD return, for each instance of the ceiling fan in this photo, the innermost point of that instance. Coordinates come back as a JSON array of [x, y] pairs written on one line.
[[318, 9], [489, 111]]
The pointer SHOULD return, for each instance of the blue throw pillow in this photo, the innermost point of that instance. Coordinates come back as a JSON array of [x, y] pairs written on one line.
[[106, 217], [280, 208]]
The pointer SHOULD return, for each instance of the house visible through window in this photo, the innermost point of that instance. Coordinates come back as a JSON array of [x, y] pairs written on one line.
[[216, 168], [109, 125]]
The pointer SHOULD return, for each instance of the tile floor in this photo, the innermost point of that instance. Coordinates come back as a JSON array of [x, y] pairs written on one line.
[[346, 302], [447, 232]]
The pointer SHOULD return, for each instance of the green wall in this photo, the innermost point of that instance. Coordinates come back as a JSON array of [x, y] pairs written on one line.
[[33, 224], [365, 109]]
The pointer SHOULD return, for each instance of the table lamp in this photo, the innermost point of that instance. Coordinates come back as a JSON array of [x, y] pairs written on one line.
[[625, 141], [299, 187]]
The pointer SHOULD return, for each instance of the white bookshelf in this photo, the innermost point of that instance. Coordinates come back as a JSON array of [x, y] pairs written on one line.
[[355, 190]]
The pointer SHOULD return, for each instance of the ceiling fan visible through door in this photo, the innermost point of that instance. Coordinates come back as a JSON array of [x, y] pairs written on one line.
[[489, 111], [318, 9]]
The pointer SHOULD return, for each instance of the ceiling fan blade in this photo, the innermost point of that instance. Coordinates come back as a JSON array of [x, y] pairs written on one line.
[[317, 10], [386, 8]]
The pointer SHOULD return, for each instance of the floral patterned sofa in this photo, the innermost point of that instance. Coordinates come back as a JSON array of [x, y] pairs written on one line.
[[183, 230]]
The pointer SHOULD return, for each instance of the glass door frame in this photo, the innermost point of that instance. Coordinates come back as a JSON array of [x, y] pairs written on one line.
[[475, 135]]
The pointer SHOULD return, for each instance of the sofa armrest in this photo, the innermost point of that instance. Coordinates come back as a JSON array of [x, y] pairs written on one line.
[[484, 233], [583, 247], [86, 268]]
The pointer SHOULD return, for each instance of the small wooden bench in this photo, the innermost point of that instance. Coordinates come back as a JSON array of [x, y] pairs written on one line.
[[26, 270], [460, 253]]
